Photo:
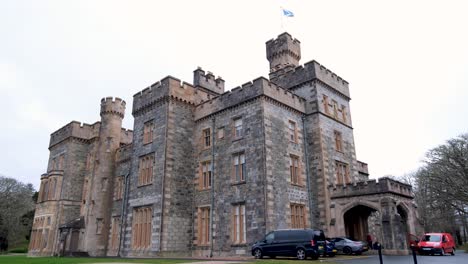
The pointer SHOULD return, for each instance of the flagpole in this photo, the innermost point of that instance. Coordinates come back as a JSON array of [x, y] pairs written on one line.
[[282, 23]]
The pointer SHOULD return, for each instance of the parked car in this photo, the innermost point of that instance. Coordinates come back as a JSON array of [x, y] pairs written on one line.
[[436, 243], [300, 243], [348, 246]]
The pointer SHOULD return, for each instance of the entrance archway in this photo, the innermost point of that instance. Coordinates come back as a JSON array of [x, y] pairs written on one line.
[[403, 243], [356, 222]]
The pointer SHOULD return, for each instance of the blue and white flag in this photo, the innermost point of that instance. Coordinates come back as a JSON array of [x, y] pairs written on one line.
[[287, 13]]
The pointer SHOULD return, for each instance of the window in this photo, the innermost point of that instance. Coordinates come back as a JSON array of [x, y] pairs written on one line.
[[342, 173], [45, 237], [52, 187], [294, 170], [145, 176], [338, 141], [89, 161], [118, 188], [115, 230], [203, 226], [297, 216], [238, 224], [206, 137], [221, 133], [238, 128], [335, 109], [45, 191], [239, 172], [206, 174], [343, 113], [292, 131], [148, 132], [141, 233], [325, 104], [99, 225], [53, 164]]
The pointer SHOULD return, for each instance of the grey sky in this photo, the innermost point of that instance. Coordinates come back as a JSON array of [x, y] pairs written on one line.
[[406, 62]]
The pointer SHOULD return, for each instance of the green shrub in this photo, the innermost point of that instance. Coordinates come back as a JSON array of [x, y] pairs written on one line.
[[464, 247], [19, 250]]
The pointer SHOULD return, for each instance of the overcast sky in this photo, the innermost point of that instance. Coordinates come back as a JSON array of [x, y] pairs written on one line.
[[406, 62]]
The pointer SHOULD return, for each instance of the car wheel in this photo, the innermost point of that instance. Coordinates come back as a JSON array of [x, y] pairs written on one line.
[[442, 252], [453, 252], [347, 250], [301, 254], [258, 253]]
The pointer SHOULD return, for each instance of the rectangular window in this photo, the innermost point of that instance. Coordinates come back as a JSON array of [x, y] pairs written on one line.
[[325, 104], [45, 237], [221, 133], [335, 109], [203, 226], [343, 113], [52, 187], [99, 225], [238, 131], [148, 132], [206, 137], [141, 232], [292, 131], [239, 171], [338, 141], [342, 173], [297, 216], [89, 161], [206, 174], [45, 191], [115, 231], [294, 170], [118, 188], [145, 176], [238, 224]]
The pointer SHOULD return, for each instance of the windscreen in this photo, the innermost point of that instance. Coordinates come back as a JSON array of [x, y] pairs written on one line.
[[431, 238]]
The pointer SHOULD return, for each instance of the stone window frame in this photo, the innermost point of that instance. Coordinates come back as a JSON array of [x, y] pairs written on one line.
[[203, 225], [99, 226], [220, 133], [142, 223], [326, 104], [238, 223], [238, 158], [119, 188], [338, 141], [206, 138], [298, 215], [295, 175], [146, 169], [204, 182], [342, 173], [148, 132], [292, 131], [335, 109], [343, 114]]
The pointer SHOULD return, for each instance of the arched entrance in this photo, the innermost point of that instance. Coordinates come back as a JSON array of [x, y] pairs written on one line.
[[356, 222], [403, 226]]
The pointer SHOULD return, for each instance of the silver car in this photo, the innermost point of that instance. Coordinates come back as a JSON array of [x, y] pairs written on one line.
[[348, 246]]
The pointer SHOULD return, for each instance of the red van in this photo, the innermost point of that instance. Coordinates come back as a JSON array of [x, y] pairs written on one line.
[[436, 243]]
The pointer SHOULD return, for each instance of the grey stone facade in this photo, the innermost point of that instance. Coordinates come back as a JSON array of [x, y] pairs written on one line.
[[292, 117]]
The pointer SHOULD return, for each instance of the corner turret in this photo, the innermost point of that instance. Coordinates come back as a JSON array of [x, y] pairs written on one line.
[[111, 106], [283, 52], [208, 81]]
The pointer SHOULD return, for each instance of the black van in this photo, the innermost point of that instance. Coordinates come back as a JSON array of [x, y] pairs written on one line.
[[301, 243]]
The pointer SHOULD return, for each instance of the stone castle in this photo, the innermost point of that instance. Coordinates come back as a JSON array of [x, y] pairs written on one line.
[[206, 172]]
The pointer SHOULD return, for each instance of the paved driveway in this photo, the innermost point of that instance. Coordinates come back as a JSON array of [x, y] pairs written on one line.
[[459, 258]]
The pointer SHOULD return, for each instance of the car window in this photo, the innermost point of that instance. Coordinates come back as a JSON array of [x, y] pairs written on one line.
[[270, 237], [297, 235], [319, 235], [444, 239], [281, 236], [431, 238]]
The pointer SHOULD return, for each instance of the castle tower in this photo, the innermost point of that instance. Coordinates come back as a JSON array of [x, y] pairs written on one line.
[[283, 53], [101, 187]]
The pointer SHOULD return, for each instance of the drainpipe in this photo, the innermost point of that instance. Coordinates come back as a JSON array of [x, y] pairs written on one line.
[[306, 158], [123, 215], [213, 126]]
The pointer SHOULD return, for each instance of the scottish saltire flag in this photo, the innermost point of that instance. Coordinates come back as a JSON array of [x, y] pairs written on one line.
[[287, 13]]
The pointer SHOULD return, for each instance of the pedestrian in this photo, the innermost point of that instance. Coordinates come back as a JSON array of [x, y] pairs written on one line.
[[369, 241]]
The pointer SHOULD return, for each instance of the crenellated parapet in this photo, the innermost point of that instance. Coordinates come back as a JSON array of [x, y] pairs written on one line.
[[208, 81], [124, 153], [111, 106], [248, 91], [292, 77], [362, 167], [76, 130], [284, 52], [383, 185], [126, 136]]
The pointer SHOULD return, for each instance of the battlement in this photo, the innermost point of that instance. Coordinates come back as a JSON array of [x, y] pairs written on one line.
[[124, 153], [250, 90], [283, 52], [362, 167], [75, 129], [116, 106], [208, 81], [288, 78], [165, 88], [383, 185]]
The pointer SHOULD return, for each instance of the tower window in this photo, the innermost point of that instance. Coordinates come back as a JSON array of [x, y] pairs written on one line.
[[342, 173], [338, 141], [297, 216], [206, 174], [145, 176], [239, 171], [203, 226], [148, 132], [238, 133], [294, 170], [207, 137], [238, 224], [292, 131]]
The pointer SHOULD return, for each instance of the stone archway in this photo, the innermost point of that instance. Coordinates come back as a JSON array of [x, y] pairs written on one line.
[[356, 222]]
